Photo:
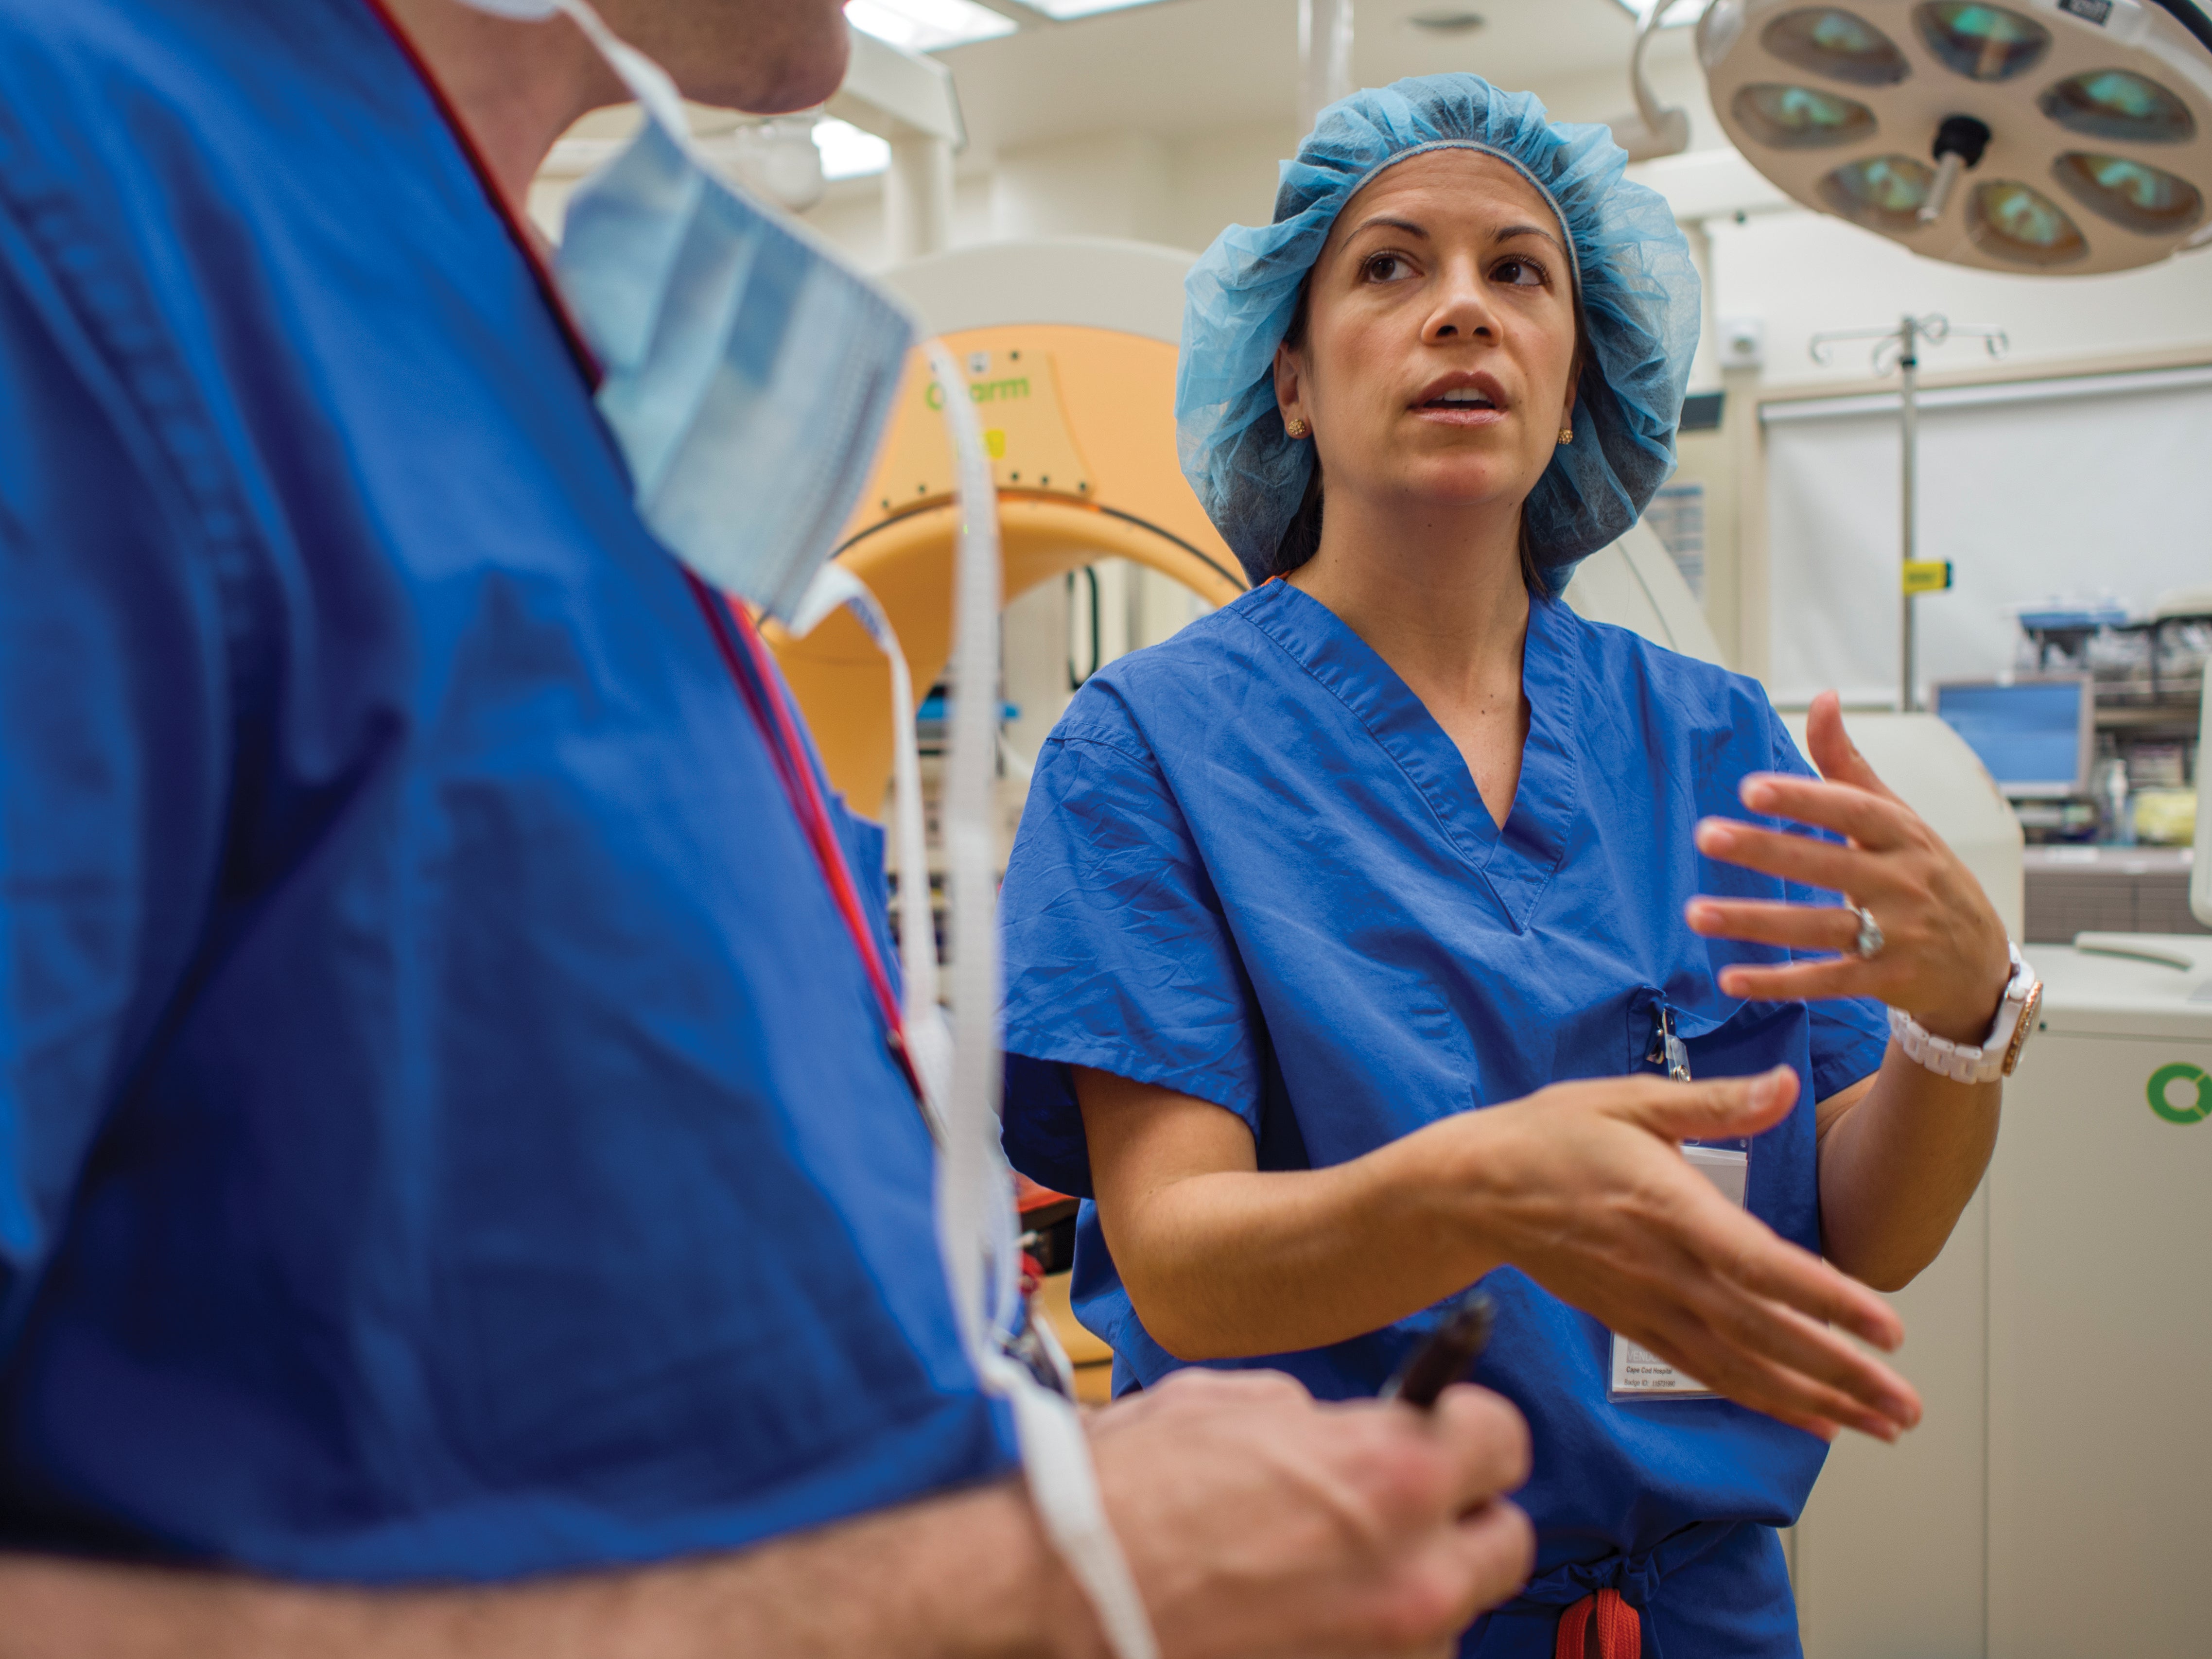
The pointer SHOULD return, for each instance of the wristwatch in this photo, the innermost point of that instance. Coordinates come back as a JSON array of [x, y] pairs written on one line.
[[1998, 1054]]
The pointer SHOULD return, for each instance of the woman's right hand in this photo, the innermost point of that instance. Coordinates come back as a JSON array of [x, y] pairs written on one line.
[[1583, 1186]]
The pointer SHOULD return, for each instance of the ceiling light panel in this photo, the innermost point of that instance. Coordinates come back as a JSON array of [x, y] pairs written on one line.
[[1680, 14], [927, 25], [1068, 9], [847, 152]]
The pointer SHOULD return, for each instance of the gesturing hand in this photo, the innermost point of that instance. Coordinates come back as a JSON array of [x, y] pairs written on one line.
[[1258, 1521], [1585, 1189], [1943, 957]]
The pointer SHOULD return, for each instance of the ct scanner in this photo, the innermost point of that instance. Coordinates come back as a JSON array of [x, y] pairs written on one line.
[[1070, 348]]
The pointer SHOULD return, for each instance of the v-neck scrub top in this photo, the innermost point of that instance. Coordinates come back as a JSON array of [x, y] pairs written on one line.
[[446, 1131], [1255, 870]]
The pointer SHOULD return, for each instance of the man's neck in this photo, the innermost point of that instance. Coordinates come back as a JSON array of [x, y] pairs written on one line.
[[516, 86]]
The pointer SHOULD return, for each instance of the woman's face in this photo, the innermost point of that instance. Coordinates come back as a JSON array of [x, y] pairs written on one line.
[[1437, 364]]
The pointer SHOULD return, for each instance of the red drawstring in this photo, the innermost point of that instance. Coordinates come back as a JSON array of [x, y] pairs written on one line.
[[1600, 1626]]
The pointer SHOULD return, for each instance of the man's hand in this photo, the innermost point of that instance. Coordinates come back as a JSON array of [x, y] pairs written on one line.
[[1259, 1522], [1256, 1521]]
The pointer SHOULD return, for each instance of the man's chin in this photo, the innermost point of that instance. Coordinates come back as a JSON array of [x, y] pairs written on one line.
[[798, 83], [764, 57]]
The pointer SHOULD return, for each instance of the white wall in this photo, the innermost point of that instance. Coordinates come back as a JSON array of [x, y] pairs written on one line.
[[2099, 493], [1180, 190], [1602, 94], [1114, 184], [851, 215], [1804, 273]]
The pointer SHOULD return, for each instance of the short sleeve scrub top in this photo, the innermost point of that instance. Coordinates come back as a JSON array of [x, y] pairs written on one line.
[[1253, 870], [446, 1132]]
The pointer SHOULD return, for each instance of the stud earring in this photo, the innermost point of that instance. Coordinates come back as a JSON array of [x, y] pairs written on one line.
[[1566, 434], [1296, 427]]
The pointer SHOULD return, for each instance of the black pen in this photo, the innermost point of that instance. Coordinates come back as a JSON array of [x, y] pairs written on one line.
[[1447, 1354]]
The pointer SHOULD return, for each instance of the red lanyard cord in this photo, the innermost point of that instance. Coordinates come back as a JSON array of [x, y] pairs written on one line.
[[746, 657], [738, 642]]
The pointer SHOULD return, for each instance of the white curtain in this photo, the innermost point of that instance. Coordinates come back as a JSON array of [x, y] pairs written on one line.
[[2094, 486]]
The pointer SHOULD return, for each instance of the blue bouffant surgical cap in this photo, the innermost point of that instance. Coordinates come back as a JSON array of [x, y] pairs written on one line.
[[1632, 273]]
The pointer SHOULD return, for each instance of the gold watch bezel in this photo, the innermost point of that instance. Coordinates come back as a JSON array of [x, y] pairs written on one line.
[[2027, 1013]]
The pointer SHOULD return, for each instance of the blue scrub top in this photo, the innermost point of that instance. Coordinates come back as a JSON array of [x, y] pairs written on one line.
[[445, 1128], [1253, 869]]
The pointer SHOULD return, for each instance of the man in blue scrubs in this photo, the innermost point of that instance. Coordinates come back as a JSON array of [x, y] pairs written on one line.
[[446, 1137]]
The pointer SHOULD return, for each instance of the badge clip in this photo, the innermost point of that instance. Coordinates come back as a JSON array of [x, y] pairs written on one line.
[[1668, 1050]]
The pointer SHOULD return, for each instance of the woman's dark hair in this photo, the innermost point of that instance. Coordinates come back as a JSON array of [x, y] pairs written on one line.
[[1302, 536]]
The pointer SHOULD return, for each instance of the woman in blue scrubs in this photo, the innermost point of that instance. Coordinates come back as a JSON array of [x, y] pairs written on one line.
[[1360, 937]]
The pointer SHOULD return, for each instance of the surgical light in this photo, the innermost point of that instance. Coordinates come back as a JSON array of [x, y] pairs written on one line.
[[1882, 192], [1837, 45], [2022, 226], [1983, 43], [1798, 118], [2114, 104], [2038, 135], [2129, 194]]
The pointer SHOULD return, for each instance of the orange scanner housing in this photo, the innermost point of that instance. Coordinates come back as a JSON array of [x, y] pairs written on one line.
[[1079, 422]]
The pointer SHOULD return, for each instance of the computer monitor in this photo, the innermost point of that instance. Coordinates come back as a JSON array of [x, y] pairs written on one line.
[[2037, 737]]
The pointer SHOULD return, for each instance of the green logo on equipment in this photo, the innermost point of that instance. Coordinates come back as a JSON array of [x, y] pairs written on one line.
[[2181, 1093]]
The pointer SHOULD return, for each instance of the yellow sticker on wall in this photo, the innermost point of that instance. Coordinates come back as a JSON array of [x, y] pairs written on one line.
[[1927, 576]]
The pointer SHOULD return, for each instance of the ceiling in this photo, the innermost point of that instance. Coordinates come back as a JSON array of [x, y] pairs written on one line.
[[1187, 65]]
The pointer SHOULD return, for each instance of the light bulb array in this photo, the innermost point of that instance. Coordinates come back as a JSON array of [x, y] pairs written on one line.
[[2039, 135]]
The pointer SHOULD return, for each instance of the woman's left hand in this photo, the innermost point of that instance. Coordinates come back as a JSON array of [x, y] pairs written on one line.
[[1944, 958]]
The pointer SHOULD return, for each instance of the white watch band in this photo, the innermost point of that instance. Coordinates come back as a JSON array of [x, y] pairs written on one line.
[[1984, 1062]]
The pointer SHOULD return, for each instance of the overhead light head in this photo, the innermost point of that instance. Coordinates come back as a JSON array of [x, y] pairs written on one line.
[[2039, 135]]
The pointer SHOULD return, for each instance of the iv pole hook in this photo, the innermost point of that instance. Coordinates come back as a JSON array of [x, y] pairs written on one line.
[[1898, 349]]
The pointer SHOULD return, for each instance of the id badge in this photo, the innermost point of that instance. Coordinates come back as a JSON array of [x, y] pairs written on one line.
[[1637, 1373]]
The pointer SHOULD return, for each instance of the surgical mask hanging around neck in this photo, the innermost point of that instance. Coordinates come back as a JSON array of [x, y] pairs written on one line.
[[748, 376], [747, 371]]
